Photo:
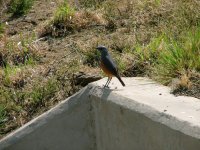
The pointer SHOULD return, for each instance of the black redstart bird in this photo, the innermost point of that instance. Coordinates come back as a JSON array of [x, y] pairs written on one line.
[[108, 66]]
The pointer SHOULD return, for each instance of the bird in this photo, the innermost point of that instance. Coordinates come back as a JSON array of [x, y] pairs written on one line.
[[108, 66]]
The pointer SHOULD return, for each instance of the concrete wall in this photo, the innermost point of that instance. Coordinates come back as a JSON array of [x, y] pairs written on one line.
[[120, 128], [141, 116], [144, 116], [66, 127]]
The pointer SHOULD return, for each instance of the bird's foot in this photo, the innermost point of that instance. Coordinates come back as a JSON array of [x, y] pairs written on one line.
[[106, 86]]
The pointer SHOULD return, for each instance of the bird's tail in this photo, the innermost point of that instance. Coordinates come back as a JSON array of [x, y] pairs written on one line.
[[118, 77]]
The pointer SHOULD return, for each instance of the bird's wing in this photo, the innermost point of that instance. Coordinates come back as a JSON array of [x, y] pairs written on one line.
[[110, 65]]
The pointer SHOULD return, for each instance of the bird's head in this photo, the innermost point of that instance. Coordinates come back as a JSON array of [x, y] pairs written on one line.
[[102, 49]]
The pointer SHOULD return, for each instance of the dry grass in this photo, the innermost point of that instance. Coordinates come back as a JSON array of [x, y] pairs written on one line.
[[17, 53], [66, 20], [138, 30], [19, 104]]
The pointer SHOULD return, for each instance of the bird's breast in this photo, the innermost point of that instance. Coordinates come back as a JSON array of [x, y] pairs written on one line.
[[106, 69]]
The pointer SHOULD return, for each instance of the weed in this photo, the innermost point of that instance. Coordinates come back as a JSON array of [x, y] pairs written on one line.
[[167, 57], [16, 102], [23, 52], [110, 14], [91, 3], [66, 20], [63, 14], [2, 33], [92, 58], [120, 64], [40, 94], [2, 28], [178, 58], [8, 71], [61, 23], [150, 52], [20, 7], [158, 2], [9, 100], [121, 44], [2, 115]]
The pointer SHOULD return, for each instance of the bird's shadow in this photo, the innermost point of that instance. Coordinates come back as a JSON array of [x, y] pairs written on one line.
[[104, 92]]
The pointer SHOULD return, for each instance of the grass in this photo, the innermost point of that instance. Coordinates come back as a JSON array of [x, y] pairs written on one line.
[[40, 95], [2, 28], [21, 103], [160, 46], [2, 114], [67, 20], [20, 7], [61, 23], [176, 59], [18, 53], [92, 57], [17, 102], [15, 59], [90, 3], [166, 45], [169, 58], [63, 14]]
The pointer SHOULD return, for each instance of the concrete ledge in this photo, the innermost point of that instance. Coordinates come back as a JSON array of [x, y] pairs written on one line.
[[144, 116], [67, 126], [141, 116]]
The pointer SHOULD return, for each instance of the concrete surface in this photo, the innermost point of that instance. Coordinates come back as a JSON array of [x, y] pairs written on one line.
[[144, 116], [141, 116], [68, 126]]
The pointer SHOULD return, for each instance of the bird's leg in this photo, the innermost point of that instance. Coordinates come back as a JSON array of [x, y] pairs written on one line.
[[107, 83], [110, 78]]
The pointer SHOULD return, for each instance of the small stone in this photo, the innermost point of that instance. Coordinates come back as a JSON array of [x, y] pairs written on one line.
[[83, 79]]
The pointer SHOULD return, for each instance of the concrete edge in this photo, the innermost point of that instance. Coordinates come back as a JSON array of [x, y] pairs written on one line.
[[43, 119], [158, 116], [95, 92]]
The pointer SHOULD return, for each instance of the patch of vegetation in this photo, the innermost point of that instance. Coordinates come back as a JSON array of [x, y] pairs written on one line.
[[13, 53], [2, 28], [15, 103], [92, 58], [2, 115], [61, 23], [90, 3], [21, 103], [20, 7], [15, 57], [66, 20], [168, 58], [63, 14], [178, 58], [41, 94]]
